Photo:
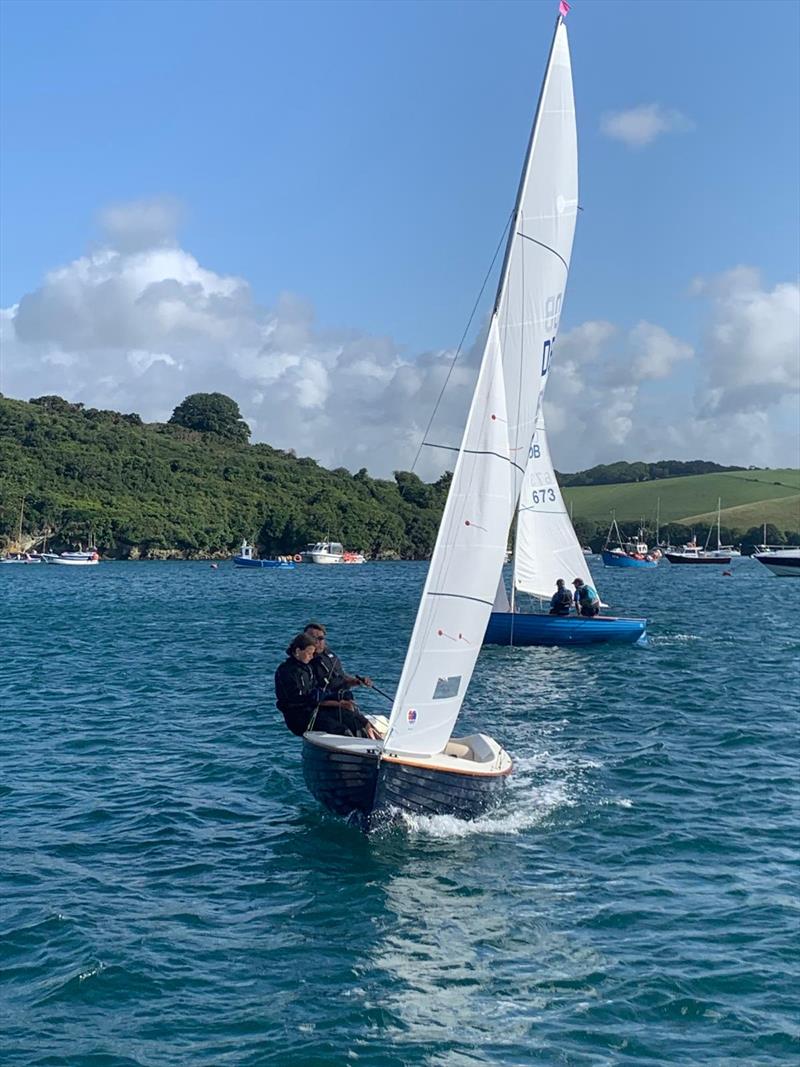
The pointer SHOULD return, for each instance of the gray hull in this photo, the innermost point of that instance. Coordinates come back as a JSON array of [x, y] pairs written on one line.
[[350, 779]]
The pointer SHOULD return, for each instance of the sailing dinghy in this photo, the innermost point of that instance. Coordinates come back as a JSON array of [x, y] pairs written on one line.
[[419, 767]]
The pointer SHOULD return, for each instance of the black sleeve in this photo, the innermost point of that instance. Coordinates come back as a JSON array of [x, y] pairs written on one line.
[[290, 693]]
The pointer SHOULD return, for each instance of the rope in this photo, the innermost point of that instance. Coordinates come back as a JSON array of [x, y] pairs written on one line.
[[423, 442]]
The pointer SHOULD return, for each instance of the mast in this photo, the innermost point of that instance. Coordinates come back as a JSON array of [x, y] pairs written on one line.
[[512, 229], [719, 515], [467, 560]]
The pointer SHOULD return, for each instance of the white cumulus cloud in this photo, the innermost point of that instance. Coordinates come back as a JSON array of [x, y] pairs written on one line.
[[137, 324], [639, 126]]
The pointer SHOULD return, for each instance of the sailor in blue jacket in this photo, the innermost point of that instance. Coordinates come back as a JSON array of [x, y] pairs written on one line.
[[587, 602]]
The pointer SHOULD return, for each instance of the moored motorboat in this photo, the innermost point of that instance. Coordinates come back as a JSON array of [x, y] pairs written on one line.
[[72, 559], [419, 767], [323, 552], [21, 557], [246, 559], [783, 562], [693, 554]]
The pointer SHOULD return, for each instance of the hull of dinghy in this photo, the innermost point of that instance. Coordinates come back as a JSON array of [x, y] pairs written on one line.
[[341, 773], [404, 786], [353, 777], [519, 629]]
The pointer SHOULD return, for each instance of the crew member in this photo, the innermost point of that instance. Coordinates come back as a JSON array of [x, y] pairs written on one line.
[[561, 600], [587, 602], [327, 666], [305, 706]]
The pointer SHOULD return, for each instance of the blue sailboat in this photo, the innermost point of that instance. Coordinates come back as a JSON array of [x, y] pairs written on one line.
[[546, 549]]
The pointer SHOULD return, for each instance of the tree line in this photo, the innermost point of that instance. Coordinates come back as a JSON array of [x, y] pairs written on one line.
[[195, 486]]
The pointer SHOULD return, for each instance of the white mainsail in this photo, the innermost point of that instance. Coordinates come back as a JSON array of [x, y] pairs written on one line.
[[545, 547], [470, 547]]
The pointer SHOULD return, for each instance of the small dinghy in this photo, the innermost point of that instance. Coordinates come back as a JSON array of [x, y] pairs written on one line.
[[546, 548], [419, 767]]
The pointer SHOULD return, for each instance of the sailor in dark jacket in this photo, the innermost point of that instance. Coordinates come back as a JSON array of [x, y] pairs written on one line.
[[328, 667], [305, 705], [561, 600]]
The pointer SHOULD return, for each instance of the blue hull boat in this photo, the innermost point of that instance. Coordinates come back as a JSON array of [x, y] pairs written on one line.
[[616, 559], [244, 561], [507, 628]]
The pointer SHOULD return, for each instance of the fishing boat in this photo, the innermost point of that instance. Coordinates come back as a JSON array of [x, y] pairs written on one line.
[[246, 559], [72, 559], [632, 554], [419, 767], [693, 554], [783, 562], [546, 548]]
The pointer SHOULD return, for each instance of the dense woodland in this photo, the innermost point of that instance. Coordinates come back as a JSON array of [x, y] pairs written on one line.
[[194, 487]]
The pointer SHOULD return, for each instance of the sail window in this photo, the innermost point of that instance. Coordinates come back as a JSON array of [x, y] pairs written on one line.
[[447, 687]]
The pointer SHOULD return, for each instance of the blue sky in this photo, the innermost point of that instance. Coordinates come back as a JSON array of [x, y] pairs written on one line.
[[364, 157]]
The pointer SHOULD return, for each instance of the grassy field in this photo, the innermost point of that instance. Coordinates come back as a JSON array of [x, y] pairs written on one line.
[[748, 499], [783, 513]]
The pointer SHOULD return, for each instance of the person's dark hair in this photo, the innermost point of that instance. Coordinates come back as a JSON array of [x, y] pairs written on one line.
[[314, 626], [300, 641], [559, 581]]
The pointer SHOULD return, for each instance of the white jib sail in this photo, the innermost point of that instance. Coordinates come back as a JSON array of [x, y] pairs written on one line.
[[470, 547], [546, 547]]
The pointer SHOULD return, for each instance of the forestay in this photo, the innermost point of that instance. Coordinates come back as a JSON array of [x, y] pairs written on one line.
[[546, 547], [470, 548]]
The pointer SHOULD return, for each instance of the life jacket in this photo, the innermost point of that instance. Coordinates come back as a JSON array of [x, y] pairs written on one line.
[[587, 595]]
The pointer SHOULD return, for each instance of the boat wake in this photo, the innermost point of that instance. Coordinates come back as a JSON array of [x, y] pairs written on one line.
[[674, 639], [541, 786]]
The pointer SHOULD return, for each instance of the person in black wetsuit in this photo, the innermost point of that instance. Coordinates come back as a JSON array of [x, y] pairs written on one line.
[[327, 666], [304, 705], [561, 600]]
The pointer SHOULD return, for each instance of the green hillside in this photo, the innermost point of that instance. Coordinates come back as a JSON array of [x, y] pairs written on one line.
[[689, 499], [783, 512], [192, 487]]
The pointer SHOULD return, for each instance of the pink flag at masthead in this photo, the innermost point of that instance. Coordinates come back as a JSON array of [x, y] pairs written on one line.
[[563, 8]]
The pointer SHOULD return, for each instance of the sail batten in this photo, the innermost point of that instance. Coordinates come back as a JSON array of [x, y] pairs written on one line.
[[490, 469]]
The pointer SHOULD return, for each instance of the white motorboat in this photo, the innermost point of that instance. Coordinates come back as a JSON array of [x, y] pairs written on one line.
[[72, 559], [784, 562], [323, 552]]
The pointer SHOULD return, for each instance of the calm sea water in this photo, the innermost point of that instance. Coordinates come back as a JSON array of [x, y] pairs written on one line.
[[171, 895]]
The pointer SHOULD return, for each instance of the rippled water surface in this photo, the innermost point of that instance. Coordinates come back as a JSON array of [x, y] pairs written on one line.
[[171, 895]]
